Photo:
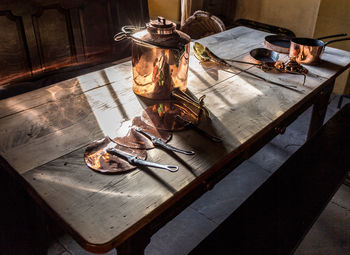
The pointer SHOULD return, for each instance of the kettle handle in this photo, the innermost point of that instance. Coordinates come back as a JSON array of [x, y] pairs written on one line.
[[131, 29], [126, 32], [120, 36]]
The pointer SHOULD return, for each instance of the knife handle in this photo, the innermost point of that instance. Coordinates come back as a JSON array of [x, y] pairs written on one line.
[[133, 160], [137, 161]]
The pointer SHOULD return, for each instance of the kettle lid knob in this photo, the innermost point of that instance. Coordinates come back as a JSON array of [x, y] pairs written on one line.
[[161, 26], [161, 20]]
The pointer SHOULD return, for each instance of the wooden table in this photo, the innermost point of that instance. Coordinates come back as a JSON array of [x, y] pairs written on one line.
[[44, 134]]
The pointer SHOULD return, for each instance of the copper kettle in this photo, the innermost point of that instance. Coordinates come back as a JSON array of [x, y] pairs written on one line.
[[160, 58]]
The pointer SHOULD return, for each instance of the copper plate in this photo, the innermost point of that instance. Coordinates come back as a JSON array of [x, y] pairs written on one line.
[[134, 139], [98, 159]]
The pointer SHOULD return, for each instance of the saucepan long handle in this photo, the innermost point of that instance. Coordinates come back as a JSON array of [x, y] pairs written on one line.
[[338, 40], [331, 36]]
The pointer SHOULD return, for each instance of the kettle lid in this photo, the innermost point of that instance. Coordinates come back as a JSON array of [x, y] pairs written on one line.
[[161, 26], [162, 33]]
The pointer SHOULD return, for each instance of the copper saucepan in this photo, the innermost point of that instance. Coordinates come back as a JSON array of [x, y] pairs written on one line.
[[308, 51]]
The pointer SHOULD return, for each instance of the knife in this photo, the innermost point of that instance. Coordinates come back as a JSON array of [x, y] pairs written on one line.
[[199, 130], [160, 142], [134, 160]]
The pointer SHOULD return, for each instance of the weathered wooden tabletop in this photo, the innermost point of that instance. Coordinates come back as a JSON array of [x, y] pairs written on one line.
[[44, 134]]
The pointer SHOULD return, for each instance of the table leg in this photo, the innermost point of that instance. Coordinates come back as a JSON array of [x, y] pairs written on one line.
[[135, 245], [319, 109]]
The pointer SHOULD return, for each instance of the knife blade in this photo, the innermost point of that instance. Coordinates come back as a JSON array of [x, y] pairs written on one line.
[[199, 130]]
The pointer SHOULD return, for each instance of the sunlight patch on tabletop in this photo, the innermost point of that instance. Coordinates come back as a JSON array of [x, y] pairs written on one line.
[[103, 106]]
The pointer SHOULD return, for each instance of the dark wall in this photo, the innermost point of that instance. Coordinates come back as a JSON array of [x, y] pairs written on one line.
[[41, 36], [224, 9]]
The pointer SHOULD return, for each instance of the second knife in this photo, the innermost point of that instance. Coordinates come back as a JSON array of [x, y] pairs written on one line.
[[160, 142]]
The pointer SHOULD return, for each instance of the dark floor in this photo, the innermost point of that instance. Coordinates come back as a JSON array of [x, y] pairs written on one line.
[[329, 235]]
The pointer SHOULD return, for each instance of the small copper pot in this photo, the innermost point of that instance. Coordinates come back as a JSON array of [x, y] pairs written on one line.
[[308, 51]]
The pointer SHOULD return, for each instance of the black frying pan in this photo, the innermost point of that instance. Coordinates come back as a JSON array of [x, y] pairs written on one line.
[[264, 56], [278, 43]]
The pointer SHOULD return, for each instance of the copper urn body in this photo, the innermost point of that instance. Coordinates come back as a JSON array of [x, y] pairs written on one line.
[[160, 58]]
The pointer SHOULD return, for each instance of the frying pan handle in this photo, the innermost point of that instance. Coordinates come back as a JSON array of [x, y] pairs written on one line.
[[331, 36], [338, 40]]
